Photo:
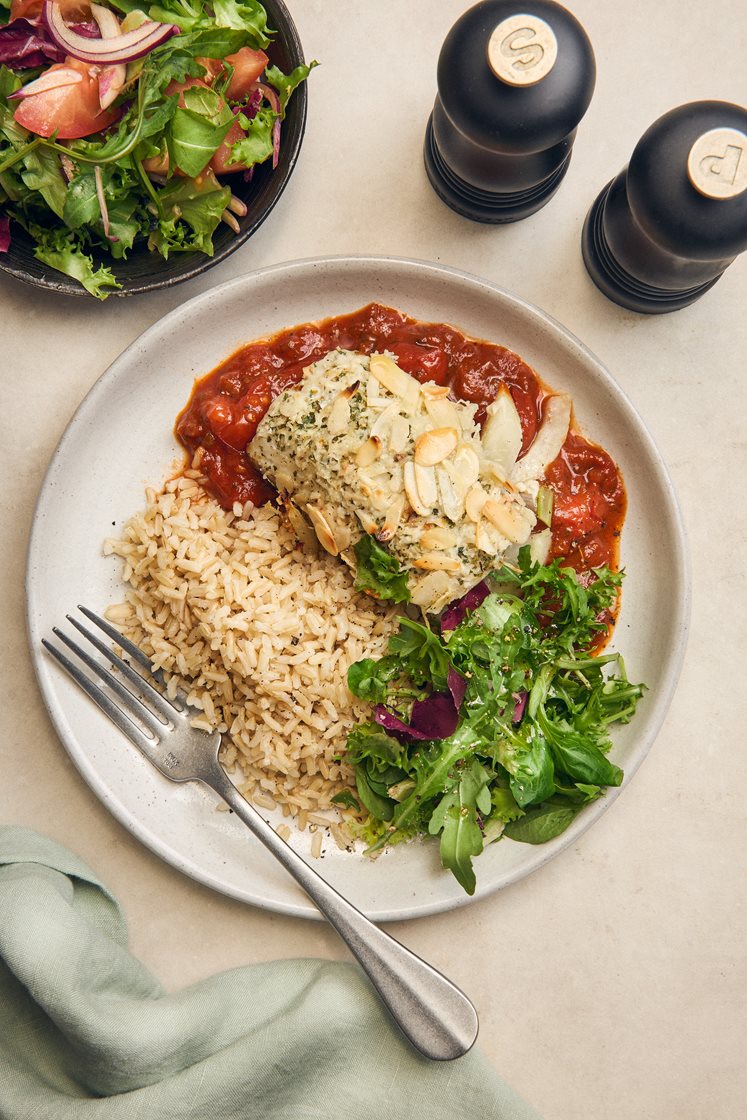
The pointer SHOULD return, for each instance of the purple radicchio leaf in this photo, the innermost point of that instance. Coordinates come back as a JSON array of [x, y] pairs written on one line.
[[398, 727], [434, 718], [251, 108], [456, 611], [4, 233], [520, 703], [24, 47], [457, 685]]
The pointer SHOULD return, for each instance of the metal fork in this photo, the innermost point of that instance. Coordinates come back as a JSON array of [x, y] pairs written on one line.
[[437, 1018]]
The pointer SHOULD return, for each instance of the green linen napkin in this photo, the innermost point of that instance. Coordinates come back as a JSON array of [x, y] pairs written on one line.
[[87, 1032]]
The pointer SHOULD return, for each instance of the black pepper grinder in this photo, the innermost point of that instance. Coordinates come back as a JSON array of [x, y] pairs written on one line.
[[662, 233], [514, 80]]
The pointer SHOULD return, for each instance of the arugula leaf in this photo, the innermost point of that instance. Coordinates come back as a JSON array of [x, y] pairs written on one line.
[[197, 130], [455, 817], [378, 571]]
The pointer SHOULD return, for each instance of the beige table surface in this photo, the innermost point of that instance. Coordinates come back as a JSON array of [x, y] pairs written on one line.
[[612, 983]]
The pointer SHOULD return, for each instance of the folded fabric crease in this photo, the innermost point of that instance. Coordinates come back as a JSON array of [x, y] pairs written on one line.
[[87, 1031]]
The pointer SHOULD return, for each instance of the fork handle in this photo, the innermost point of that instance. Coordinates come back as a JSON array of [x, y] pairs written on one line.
[[437, 1018]]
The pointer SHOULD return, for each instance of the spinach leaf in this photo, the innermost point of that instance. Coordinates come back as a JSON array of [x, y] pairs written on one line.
[[540, 825]]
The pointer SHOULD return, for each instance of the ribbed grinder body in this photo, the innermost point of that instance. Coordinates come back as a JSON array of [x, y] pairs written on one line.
[[665, 229], [514, 80]]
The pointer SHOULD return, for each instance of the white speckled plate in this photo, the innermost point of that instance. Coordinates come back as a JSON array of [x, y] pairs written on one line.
[[120, 439]]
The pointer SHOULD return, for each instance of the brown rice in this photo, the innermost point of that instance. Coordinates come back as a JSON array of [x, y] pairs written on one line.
[[260, 634]]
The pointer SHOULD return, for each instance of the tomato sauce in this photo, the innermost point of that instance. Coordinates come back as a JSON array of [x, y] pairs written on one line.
[[226, 406]]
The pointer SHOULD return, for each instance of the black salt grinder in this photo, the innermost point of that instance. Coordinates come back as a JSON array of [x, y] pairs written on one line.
[[514, 80], [662, 233]]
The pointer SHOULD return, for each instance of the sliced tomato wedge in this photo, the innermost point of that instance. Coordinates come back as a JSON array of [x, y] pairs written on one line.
[[221, 162], [248, 66], [72, 10], [71, 111]]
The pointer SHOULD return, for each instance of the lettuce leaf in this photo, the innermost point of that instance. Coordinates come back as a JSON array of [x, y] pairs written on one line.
[[527, 646], [378, 571], [58, 249]]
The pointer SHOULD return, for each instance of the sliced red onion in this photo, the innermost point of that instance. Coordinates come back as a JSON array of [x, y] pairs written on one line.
[[120, 48], [4, 234], [52, 79], [102, 202], [68, 168], [111, 78], [272, 96]]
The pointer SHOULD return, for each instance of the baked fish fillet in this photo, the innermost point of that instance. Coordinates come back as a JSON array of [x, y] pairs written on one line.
[[359, 446]]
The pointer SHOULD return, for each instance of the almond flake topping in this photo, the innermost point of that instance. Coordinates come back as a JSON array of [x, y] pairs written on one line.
[[368, 452], [435, 446], [388, 373], [436, 562]]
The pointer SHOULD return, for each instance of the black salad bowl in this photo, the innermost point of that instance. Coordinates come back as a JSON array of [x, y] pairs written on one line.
[[146, 271]]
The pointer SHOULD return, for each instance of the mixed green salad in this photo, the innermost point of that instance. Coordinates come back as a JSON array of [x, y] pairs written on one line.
[[494, 720], [128, 121]]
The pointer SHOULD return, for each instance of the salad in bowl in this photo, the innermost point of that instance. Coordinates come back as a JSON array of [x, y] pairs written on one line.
[[127, 124]]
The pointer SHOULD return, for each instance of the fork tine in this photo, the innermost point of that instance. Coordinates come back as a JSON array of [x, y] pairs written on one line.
[[179, 701], [133, 703], [129, 647], [107, 705], [156, 699]]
